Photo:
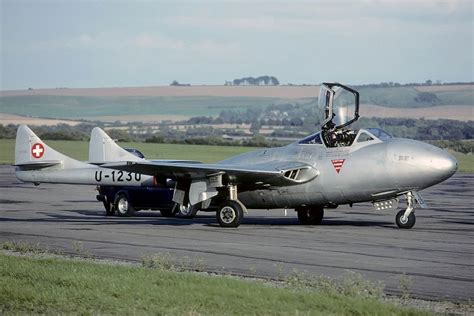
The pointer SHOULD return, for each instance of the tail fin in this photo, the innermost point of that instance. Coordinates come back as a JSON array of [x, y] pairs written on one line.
[[32, 153], [103, 149]]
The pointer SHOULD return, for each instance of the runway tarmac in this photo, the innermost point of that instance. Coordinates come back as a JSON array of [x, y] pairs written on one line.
[[436, 255]]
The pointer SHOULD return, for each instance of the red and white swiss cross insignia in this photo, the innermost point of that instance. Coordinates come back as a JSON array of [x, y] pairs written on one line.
[[337, 163], [37, 150]]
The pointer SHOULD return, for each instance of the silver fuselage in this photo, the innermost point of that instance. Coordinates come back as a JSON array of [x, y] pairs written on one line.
[[371, 171]]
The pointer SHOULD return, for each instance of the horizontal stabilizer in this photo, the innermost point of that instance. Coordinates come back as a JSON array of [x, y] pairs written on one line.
[[38, 165]]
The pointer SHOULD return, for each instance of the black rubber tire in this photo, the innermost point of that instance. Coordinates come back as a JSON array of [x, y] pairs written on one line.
[[409, 223], [109, 209], [167, 213], [122, 206], [230, 214], [310, 215]]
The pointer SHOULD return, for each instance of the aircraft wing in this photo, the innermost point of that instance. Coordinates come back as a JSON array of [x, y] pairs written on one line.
[[273, 173]]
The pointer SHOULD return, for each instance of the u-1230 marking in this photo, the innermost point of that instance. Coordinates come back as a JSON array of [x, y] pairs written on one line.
[[118, 176]]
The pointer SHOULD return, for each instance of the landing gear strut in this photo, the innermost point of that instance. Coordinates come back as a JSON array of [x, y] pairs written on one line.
[[406, 218]]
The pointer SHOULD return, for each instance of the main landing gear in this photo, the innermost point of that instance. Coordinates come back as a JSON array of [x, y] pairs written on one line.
[[231, 212], [406, 218], [310, 215]]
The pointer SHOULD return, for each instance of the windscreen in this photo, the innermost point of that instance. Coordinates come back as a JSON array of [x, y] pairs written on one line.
[[380, 133]]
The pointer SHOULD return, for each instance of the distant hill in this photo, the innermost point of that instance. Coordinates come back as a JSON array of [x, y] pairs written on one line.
[[437, 101], [284, 92]]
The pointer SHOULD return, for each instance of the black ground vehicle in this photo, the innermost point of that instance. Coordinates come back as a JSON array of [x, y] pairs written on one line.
[[124, 200]]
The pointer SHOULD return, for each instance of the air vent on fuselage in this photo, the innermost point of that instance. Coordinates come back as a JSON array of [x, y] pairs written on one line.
[[300, 174], [292, 174]]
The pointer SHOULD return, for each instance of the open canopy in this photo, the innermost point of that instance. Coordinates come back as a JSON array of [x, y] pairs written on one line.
[[338, 106]]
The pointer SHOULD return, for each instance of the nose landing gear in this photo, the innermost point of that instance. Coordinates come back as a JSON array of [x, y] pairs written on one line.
[[406, 218]]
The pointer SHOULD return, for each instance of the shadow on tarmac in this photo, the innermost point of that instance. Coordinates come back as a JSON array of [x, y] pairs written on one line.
[[87, 217]]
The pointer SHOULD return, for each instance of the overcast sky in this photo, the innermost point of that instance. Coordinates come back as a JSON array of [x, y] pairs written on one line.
[[47, 44]]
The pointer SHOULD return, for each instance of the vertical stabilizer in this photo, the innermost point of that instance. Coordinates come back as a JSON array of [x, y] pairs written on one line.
[[103, 149], [31, 152]]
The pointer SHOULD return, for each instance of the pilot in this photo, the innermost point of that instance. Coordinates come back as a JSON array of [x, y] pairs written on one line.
[[331, 138], [339, 138]]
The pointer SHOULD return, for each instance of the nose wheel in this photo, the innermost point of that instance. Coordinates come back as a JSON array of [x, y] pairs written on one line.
[[406, 219]]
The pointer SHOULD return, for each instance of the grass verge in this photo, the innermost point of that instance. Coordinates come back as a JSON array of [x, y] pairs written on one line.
[[466, 162], [52, 286]]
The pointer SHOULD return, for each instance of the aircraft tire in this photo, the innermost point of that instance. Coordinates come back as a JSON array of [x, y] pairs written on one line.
[[230, 214], [122, 205], [310, 215], [407, 224]]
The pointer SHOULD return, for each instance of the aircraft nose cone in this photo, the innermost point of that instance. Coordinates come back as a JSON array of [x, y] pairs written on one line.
[[445, 163], [436, 161], [419, 165]]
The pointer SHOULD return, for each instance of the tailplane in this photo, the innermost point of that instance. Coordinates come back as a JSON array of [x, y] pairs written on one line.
[[103, 149], [32, 153]]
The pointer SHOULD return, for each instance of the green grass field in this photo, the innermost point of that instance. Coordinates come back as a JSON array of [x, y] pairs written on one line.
[[80, 149], [58, 286], [466, 162], [404, 97]]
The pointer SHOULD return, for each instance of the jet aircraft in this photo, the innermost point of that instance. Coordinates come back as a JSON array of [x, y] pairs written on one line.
[[335, 166]]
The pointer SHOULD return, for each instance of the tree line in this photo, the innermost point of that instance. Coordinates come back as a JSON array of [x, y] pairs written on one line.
[[287, 120], [259, 81]]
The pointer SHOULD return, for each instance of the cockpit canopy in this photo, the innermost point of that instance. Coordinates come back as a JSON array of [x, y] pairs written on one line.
[[349, 138], [338, 106]]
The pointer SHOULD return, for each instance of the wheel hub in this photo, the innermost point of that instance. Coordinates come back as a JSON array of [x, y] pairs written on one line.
[[404, 219], [227, 214], [123, 206]]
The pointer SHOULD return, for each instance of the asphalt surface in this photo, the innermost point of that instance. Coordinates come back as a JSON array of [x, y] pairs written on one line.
[[436, 255]]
